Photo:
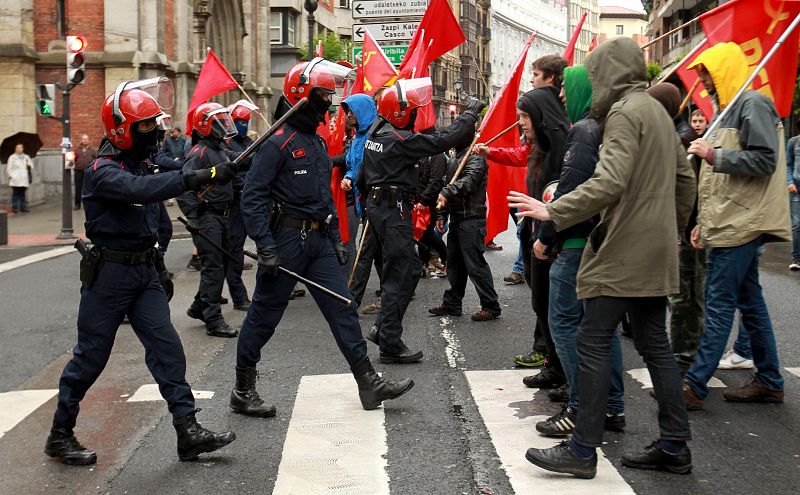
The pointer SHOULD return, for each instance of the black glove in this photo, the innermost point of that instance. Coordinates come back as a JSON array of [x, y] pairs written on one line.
[[474, 106], [223, 173], [341, 252], [218, 174], [268, 258]]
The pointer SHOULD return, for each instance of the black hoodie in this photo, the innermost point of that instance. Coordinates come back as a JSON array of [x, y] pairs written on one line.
[[550, 124]]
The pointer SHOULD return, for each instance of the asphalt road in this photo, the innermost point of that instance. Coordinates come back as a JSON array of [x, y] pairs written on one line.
[[438, 439]]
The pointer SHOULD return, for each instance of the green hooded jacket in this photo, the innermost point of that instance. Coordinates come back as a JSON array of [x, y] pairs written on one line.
[[643, 187], [578, 89]]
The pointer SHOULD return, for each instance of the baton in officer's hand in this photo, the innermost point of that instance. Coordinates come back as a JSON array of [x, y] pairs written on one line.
[[253, 147], [299, 278]]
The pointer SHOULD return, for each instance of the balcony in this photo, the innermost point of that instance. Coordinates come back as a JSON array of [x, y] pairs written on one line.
[[487, 33], [487, 68], [681, 48]]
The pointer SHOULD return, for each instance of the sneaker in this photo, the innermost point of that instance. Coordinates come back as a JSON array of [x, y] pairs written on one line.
[[514, 278], [615, 422], [560, 394], [753, 391], [794, 265], [733, 361], [221, 329], [560, 425], [547, 378], [654, 457], [561, 459], [372, 309], [485, 315], [242, 306], [194, 263], [442, 311], [533, 359]]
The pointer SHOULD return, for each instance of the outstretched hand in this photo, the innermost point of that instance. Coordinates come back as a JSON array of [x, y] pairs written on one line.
[[527, 206]]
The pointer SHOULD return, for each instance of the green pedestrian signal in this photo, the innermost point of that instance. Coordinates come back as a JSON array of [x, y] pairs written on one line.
[[46, 100]]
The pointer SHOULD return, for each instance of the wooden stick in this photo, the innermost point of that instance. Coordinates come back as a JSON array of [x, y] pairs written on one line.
[[678, 64], [689, 96], [504, 131], [254, 104], [464, 160], [358, 254], [656, 40]]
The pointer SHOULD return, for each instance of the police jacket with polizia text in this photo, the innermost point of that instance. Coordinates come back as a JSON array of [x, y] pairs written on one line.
[[121, 198], [293, 169], [391, 154]]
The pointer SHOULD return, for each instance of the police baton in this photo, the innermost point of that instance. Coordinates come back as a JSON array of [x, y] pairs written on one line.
[[296, 276], [253, 147]]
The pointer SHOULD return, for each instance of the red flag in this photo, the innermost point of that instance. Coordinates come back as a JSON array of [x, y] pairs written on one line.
[[502, 179], [420, 219], [689, 77], [334, 137], [441, 27], [375, 68], [755, 26], [593, 44], [569, 53], [214, 79]]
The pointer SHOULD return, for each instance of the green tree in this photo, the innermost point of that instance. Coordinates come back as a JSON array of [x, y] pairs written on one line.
[[653, 71], [334, 48]]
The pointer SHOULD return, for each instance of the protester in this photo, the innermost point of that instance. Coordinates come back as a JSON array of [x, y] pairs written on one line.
[[742, 205], [793, 177], [175, 145], [565, 310], [18, 169], [84, 155], [643, 189]]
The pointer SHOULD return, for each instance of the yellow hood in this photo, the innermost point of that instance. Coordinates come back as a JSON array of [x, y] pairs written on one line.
[[728, 68]]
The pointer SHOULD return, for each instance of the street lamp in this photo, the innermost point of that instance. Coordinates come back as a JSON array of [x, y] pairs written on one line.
[[457, 85], [310, 6]]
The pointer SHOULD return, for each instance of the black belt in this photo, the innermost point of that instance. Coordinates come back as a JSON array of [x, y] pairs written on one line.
[[390, 193], [129, 257], [306, 225]]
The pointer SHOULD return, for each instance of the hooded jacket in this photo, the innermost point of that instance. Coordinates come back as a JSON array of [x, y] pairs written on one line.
[[742, 192], [363, 109], [583, 143], [643, 187]]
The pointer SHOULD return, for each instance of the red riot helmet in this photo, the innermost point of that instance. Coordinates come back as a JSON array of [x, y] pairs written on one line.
[[397, 102], [212, 119], [133, 102], [316, 74], [241, 110]]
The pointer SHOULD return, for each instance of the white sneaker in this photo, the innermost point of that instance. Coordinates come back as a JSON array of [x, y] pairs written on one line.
[[733, 361], [795, 265]]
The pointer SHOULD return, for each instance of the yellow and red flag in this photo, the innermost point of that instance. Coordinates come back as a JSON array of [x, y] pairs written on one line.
[[375, 69]]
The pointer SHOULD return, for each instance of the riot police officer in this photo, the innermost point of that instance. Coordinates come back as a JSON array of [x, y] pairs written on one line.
[[288, 211], [211, 125], [240, 113], [390, 172], [119, 276]]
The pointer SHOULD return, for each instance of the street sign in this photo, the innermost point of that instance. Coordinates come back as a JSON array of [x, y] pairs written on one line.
[[394, 53], [386, 31], [372, 9]]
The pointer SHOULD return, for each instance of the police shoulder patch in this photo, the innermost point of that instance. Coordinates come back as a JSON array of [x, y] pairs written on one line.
[[298, 153]]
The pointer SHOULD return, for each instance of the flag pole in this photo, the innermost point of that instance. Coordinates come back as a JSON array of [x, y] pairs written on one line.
[[502, 133], [656, 40], [254, 104], [677, 65], [750, 79], [689, 96]]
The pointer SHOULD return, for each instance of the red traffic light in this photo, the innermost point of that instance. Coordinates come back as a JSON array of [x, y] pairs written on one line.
[[69, 156], [452, 108], [76, 44]]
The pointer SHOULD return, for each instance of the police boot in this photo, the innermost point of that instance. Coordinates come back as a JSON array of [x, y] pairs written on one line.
[[244, 397], [67, 448], [194, 440], [372, 389], [221, 329]]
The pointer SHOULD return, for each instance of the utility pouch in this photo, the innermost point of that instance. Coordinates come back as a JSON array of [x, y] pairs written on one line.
[[276, 214], [163, 275], [91, 263]]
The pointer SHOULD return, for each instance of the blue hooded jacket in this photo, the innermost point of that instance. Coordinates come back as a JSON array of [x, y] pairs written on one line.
[[363, 109]]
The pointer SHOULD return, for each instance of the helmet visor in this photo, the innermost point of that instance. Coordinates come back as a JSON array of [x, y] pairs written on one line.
[[222, 125], [243, 103], [320, 73], [413, 93], [164, 122], [159, 88]]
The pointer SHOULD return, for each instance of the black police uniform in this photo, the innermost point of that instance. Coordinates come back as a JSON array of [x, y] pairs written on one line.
[[211, 216], [236, 229], [390, 172], [121, 199], [287, 203], [163, 162]]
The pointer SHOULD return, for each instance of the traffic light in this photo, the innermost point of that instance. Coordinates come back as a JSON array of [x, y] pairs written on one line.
[[69, 160], [76, 60], [452, 111], [46, 100]]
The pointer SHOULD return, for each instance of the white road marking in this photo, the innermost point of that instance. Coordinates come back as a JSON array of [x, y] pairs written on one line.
[[17, 405], [455, 358], [504, 404], [27, 260], [332, 445], [794, 371], [642, 376], [150, 392]]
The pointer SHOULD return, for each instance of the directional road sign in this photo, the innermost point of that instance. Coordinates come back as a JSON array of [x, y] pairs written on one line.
[[394, 53], [386, 31], [372, 9]]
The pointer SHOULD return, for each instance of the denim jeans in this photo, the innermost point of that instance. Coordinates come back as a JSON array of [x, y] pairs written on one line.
[[794, 204], [731, 282], [517, 268], [564, 317], [649, 326]]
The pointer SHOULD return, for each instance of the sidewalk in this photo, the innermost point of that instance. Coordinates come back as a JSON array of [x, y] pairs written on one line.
[[41, 226]]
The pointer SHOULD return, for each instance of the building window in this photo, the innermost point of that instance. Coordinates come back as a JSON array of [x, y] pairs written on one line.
[[344, 4], [620, 29], [282, 26]]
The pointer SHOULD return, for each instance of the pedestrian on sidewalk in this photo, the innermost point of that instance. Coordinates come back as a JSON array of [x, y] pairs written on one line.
[[643, 189], [742, 205], [18, 169], [84, 155], [793, 179], [123, 275]]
